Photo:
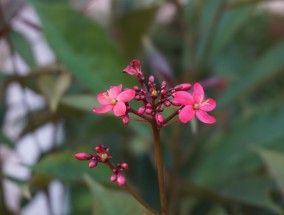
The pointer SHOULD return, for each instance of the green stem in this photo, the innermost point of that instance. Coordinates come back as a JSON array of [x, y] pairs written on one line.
[[160, 167]]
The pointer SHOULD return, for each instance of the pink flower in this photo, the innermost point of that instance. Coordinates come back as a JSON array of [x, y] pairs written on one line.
[[134, 68], [114, 100], [195, 105]]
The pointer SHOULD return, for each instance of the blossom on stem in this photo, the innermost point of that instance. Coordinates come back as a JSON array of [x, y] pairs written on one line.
[[195, 105], [134, 68], [114, 100]]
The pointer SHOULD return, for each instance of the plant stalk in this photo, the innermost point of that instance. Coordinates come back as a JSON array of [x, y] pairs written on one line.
[[160, 167]]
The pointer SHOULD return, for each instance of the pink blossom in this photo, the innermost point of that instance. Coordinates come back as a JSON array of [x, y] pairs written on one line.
[[134, 68], [121, 179], [114, 100], [195, 105]]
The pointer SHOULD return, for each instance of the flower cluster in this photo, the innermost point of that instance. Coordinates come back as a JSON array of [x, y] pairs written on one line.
[[155, 99], [102, 156]]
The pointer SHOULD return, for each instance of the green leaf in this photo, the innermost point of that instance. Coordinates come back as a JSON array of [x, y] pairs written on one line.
[[132, 26], [112, 202], [263, 69], [249, 190], [23, 47], [82, 46], [6, 140], [81, 102], [64, 166], [231, 22], [274, 162], [53, 88]]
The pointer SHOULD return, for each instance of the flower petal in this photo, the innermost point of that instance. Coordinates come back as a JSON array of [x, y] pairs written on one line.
[[204, 117], [114, 91], [119, 109], [103, 98], [208, 105], [126, 95], [186, 114], [103, 109], [183, 98], [198, 93]]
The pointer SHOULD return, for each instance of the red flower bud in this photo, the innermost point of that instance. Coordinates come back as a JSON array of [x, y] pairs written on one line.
[[113, 177], [183, 87], [141, 110], [83, 156], [124, 166], [121, 179], [125, 120], [93, 164]]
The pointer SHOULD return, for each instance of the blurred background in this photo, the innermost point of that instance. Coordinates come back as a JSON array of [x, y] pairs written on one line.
[[56, 55]]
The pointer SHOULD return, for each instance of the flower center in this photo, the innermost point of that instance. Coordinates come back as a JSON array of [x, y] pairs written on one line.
[[113, 101], [196, 106]]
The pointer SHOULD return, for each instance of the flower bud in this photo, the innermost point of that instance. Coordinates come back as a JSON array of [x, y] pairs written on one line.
[[167, 103], [159, 119], [151, 79], [121, 179], [113, 177], [134, 68], [184, 87], [93, 164], [124, 166], [83, 156], [125, 120], [141, 110]]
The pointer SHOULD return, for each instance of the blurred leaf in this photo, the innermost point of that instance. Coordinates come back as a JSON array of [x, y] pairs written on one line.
[[64, 166], [230, 23], [82, 102], [263, 69], [112, 202], [132, 26], [274, 162], [217, 210], [81, 45], [6, 140], [249, 190], [23, 47], [235, 146], [53, 88]]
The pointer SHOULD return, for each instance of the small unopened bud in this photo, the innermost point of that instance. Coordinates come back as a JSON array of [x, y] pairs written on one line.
[[151, 79], [137, 97], [183, 87], [121, 179], [175, 103], [93, 164], [164, 84], [83, 156], [148, 111], [125, 120], [159, 118], [124, 166], [167, 103], [113, 177], [136, 88], [141, 110], [163, 92]]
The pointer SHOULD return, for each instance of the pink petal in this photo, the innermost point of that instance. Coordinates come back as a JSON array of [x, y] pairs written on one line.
[[204, 117], [103, 98], [186, 114], [183, 98], [126, 95], [103, 109], [119, 109], [208, 105], [114, 91], [198, 93], [130, 70]]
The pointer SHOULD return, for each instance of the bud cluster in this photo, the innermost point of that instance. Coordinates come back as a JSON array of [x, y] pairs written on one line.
[[154, 99], [102, 156]]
